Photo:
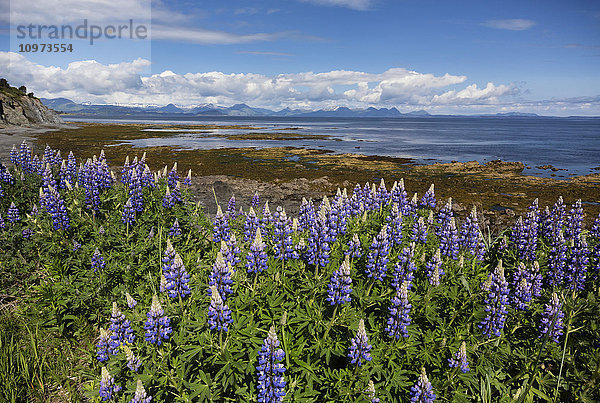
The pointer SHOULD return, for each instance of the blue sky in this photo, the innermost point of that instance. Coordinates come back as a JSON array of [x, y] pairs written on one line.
[[441, 56]]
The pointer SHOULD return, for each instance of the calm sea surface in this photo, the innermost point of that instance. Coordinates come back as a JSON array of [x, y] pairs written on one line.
[[570, 144]]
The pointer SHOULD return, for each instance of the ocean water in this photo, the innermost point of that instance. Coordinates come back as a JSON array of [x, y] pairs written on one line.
[[572, 145]]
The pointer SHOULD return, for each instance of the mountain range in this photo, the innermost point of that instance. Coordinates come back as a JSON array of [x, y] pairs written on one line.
[[67, 106]]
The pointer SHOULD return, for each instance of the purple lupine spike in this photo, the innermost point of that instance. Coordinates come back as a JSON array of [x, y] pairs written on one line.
[[378, 255], [2, 223], [131, 303], [537, 279], [255, 200], [168, 200], [250, 225], [128, 216], [318, 247], [459, 360], [557, 259], [394, 221], [220, 276], [267, 217], [434, 269], [12, 215], [419, 231], [140, 394], [283, 246], [496, 302], [168, 258], [354, 248], [399, 196], [176, 193], [234, 251], [177, 279], [173, 177], [126, 171], [403, 269], [257, 258], [157, 325], [340, 285], [219, 314], [449, 239], [55, 206], [121, 331], [103, 348], [231, 211], [360, 348], [147, 179], [175, 230], [188, 179], [422, 392], [136, 193], [97, 261], [270, 370], [523, 287], [574, 224], [370, 392], [133, 362], [428, 199], [221, 230], [14, 155], [306, 215], [577, 262], [552, 313], [399, 317], [107, 385], [470, 236]]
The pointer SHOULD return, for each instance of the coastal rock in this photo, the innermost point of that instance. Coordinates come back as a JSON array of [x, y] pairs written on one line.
[[20, 109]]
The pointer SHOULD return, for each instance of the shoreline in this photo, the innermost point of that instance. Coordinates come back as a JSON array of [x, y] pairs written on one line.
[[284, 175]]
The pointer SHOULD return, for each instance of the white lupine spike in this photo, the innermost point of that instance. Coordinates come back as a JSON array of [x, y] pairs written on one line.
[[144, 156], [219, 211], [414, 199], [174, 166], [126, 161], [345, 193], [165, 171], [339, 192], [382, 184], [295, 224]]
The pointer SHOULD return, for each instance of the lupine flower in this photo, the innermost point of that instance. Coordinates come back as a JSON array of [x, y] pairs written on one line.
[[403, 269], [419, 231], [220, 276], [428, 199], [107, 385], [470, 235], [177, 279], [219, 314], [101, 230], [255, 200], [523, 286], [2, 223], [577, 262], [399, 313], [231, 212], [496, 301], [267, 217], [13, 214], [158, 325], [283, 246], [394, 221], [140, 394], [422, 392], [250, 225], [120, 326], [34, 211], [318, 249], [378, 255], [340, 284], [557, 259], [257, 258], [76, 246], [147, 179], [26, 233], [173, 177], [133, 363], [449, 239], [168, 257], [97, 261], [434, 269], [131, 303], [370, 392], [359, 346], [354, 250], [220, 227], [233, 252], [128, 216], [175, 230], [552, 313], [188, 179], [574, 221], [136, 192], [459, 360], [168, 200], [270, 370], [103, 347]]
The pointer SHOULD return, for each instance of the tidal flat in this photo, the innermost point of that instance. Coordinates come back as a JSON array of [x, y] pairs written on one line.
[[500, 189]]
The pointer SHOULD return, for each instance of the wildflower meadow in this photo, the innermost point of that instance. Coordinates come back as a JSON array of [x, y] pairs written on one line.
[[371, 294]]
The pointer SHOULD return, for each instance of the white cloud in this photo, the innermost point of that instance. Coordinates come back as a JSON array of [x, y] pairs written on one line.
[[354, 4], [511, 25], [124, 83], [205, 36]]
